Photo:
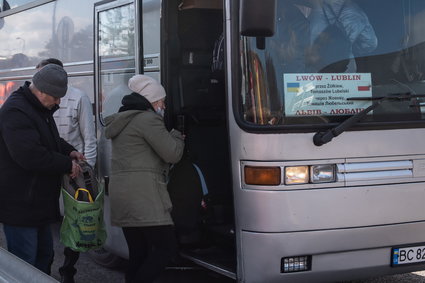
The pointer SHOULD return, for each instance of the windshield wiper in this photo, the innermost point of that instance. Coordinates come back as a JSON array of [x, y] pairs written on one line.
[[321, 138]]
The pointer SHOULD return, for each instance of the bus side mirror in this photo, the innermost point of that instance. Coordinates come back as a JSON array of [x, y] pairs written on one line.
[[258, 18]]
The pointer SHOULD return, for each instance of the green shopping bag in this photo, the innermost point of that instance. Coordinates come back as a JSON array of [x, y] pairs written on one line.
[[82, 228]]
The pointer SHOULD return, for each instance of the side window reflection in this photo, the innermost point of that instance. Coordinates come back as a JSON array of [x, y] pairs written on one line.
[[4, 6], [10, 4]]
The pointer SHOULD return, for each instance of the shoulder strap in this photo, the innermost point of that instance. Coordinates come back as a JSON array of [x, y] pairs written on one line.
[[73, 184]]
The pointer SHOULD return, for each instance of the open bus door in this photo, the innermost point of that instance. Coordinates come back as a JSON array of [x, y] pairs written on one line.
[[193, 73], [176, 48], [116, 59]]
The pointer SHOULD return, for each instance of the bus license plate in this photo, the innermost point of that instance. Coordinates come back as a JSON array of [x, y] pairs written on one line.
[[408, 255]]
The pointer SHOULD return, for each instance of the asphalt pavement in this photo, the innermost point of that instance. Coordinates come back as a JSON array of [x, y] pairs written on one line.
[[89, 271]]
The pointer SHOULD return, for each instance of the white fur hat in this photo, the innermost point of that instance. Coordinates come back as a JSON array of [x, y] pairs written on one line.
[[147, 87]]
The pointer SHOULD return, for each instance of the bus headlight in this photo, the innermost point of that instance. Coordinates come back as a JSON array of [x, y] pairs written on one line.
[[322, 173], [296, 175]]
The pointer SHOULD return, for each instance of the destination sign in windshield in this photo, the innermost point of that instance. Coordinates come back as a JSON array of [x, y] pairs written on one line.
[[326, 94]]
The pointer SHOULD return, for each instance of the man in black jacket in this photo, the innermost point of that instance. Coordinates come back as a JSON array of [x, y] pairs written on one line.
[[33, 159]]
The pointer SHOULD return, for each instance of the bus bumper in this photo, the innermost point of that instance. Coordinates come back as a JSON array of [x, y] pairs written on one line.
[[336, 255]]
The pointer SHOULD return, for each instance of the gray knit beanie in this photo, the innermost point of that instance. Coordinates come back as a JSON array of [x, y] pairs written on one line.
[[52, 80], [144, 85]]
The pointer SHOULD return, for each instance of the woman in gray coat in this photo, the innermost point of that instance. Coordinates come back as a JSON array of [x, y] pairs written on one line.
[[142, 150]]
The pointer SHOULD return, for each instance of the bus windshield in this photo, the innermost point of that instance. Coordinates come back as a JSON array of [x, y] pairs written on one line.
[[329, 59]]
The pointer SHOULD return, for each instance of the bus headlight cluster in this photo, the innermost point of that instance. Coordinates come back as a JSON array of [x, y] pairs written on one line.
[[310, 174]]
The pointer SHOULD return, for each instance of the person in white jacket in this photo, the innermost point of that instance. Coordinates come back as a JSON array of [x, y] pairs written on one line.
[[75, 123]]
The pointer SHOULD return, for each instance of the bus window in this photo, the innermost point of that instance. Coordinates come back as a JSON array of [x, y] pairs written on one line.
[[10, 4], [4, 6], [60, 35], [2, 94], [299, 80], [6, 90]]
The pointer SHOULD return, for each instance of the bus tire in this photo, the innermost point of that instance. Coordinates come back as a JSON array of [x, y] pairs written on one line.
[[106, 258]]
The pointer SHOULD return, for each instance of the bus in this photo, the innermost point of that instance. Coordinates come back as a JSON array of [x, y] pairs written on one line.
[[304, 122]]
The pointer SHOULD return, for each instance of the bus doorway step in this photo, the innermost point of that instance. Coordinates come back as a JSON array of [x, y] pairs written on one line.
[[181, 263], [213, 258]]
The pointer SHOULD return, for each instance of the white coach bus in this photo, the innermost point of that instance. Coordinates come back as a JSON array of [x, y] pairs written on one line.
[[304, 122]]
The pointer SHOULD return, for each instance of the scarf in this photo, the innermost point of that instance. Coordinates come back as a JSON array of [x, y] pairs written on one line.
[[135, 101]]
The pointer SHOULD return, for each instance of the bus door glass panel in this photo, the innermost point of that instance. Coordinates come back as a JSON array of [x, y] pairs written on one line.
[[116, 56], [151, 31], [298, 80]]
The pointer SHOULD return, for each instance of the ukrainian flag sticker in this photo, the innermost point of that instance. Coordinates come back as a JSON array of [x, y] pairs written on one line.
[[293, 87]]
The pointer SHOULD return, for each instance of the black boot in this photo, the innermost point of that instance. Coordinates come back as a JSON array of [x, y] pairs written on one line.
[[67, 271], [67, 278]]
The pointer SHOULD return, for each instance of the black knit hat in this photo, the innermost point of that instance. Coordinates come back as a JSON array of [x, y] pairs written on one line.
[[52, 80]]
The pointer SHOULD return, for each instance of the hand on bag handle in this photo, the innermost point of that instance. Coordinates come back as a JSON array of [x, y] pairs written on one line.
[[77, 156], [76, 169]]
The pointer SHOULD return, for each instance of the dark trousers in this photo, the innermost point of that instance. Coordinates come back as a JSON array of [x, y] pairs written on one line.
[[150, 250], [71, 257], [32, 244]]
